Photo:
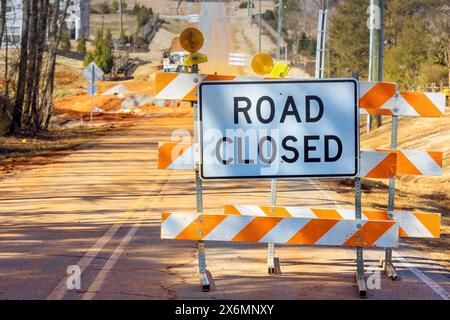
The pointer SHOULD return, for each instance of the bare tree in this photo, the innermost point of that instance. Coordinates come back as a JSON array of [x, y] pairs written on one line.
[[46, 103], [22, 72], [40, 47], [41, 33], [2, 20], [31, 68]]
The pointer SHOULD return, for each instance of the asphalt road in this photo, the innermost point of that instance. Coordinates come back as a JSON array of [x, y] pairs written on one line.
[[214, 25], [99, 208]]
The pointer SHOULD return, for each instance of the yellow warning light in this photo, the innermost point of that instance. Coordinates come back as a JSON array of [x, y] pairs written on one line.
[[195, 58], [262, 64], [446, 92], [280, 70], [191, 39]]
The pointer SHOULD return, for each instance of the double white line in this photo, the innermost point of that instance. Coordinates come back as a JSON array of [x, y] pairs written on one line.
[[237, 59], [61, 289]]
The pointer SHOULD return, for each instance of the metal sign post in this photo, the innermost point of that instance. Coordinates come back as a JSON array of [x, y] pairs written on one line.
[[92, 73], [360, 279], [321, 39], [91, 111], [273, 263], [387, 264], [202, 269], [279, 28]]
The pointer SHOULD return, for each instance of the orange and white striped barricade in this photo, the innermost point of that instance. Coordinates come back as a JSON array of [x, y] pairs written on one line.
[[418, 162], [381, 164], [177, 156], [411, 224], [377, 95], [181, 156], [183, 86], [412, 104], [283, 230], [408, 162], [411, 162]]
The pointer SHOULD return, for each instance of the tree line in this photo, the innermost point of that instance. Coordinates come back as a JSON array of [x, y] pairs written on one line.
[[29, 70], [416, 41], [416, 38]]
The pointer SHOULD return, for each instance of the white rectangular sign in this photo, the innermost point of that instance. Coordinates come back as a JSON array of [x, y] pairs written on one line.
[[279, 129]]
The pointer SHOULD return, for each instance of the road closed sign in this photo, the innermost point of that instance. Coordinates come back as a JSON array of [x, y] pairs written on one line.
[[279, 129]]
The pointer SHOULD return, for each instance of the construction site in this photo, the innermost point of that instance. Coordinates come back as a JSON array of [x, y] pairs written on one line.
[[225, 152]]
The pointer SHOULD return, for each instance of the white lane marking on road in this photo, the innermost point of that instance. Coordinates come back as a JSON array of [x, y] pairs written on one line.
[[419, 274], [61, 289], [101, 276]]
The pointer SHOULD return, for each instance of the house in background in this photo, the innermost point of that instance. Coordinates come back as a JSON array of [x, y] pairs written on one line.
[[77, 20], [13, 25]]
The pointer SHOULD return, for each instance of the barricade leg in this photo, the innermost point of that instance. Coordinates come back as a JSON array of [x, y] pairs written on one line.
[[273, 263], [202, 270], [360, 279], [387, 264], [205, 275]]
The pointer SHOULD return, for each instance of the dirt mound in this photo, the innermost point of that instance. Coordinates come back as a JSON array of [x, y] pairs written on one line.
[[110, 98]]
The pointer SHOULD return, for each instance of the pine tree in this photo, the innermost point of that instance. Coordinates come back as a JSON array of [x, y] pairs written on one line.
[[106, 62], [65, 43], [115, 6], [103, 56], [88, 58], [303, 43], [108, 37], [81, 44], [98, 46], [403, 62], [349, 39]]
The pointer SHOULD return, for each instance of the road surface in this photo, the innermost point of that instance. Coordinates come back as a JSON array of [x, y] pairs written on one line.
[[99, 208], [215, 27]]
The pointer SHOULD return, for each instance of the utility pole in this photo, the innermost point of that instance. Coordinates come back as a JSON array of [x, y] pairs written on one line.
[[280, 27], [259, 22], [121, 17], [321, 40], [376, 50]]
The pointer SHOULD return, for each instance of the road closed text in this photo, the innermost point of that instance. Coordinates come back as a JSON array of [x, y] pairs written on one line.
[[279, 129], [290, 148]]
